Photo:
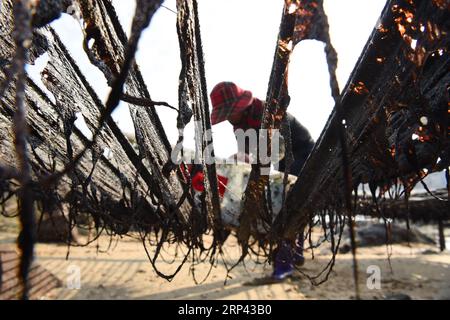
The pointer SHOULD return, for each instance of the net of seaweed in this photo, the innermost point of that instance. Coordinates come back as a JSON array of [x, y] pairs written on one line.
[[388, 130]]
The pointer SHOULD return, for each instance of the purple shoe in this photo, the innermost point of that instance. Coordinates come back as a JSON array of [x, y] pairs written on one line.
[[282, 272]]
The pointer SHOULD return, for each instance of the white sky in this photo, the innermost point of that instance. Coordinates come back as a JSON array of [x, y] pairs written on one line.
[[239, 44]]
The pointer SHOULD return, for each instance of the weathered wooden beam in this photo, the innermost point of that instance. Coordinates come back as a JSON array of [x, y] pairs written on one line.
[[63, 78], [395, 107], [116, 183], [193, 91], [301, 20], [102, 26]]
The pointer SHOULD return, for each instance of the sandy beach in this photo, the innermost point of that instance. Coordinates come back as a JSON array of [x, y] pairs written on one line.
[[124, 272]]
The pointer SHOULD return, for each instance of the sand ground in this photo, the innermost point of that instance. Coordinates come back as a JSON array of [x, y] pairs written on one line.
[[124, 272]]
